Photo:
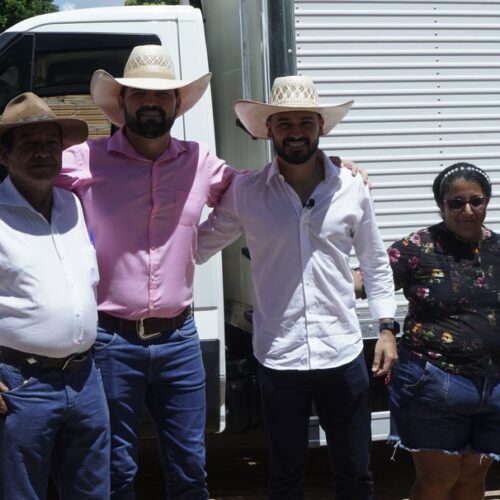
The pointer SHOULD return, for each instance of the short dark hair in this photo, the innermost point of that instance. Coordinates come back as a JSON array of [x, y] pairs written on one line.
[[461, 170]]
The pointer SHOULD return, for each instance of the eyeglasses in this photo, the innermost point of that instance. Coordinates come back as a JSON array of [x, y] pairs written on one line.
[[458, 204]]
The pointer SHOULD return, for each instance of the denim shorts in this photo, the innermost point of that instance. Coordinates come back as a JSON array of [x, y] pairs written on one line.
[[432, 409]]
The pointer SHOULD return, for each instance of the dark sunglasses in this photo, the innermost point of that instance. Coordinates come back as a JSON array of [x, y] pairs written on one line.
[[457, 204]]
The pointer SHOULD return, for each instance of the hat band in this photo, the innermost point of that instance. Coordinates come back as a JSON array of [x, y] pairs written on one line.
[[296, 103], [34, 118], [150, 73]]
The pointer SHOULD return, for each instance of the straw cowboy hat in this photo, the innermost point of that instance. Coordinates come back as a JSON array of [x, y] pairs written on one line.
[[289, 93], [148, 67], [29, 109]]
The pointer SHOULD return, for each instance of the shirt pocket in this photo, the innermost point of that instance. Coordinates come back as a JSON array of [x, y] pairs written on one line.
[[90, 262], [188, 207]]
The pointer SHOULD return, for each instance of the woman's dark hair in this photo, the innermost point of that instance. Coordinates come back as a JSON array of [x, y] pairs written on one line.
[[461, 170]]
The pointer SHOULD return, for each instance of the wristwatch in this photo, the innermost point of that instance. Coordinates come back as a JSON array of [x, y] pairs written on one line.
[[392, 326]]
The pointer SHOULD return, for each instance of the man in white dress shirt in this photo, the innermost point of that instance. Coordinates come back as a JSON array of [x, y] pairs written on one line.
[[302, 215], [53, 413]]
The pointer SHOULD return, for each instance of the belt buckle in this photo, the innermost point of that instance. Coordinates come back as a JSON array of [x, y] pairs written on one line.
[[139, 328]]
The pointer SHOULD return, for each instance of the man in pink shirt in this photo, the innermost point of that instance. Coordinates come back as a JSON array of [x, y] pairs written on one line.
[[143, 192]]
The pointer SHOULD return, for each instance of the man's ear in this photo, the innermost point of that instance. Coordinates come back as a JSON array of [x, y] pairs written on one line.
[[321, 124], [178, 101], [121, 102], [268, 125]]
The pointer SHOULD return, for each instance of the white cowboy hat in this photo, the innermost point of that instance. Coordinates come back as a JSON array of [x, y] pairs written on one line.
[[148, 67], [289, 93], [29, 109]]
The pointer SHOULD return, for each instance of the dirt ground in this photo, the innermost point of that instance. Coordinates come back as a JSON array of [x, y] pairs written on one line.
[[237, 468]]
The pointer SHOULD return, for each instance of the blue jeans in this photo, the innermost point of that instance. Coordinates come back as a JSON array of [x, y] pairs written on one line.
[[432, 409], [341, 398], [57, 422], [166, 373]]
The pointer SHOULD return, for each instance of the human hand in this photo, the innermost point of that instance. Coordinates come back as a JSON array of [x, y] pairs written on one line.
[[386, 354], [3, 406], [355, 170], [359, 288]]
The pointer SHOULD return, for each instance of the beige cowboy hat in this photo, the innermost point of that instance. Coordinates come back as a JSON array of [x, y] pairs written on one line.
[[289, 93], [148, 67], [29, 109]]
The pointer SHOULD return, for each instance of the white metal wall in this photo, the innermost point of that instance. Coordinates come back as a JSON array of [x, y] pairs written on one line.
[[425, 76]]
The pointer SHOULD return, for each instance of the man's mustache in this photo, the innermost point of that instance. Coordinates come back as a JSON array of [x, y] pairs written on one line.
[[147, 109], [300, 139]]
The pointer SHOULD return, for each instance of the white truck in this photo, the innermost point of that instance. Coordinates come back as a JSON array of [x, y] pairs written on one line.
[[425, 78]]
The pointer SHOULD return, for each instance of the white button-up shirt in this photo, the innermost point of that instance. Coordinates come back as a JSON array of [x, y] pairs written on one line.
[[304, 312], [48, 276]]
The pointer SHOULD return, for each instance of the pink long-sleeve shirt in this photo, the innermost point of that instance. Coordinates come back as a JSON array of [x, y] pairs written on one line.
[[143, 218]]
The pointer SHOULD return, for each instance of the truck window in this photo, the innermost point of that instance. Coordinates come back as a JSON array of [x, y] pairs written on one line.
[[65, 62], [15, 65], [52, 64], [59, 66]]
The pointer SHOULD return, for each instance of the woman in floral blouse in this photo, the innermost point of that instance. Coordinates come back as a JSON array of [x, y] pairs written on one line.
[[445, 387]]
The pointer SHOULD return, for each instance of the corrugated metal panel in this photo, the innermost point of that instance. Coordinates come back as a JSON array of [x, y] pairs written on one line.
[[425, 77]]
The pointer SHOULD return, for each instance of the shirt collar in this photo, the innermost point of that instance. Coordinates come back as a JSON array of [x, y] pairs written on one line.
[[10, 196], [119, 144], [331, 170]]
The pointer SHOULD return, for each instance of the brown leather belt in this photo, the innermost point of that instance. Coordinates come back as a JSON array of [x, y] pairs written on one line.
[[19, 358], [146, 328]]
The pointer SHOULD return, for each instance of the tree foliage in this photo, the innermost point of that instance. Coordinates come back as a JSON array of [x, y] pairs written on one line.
[[151, 2], [13, 11]]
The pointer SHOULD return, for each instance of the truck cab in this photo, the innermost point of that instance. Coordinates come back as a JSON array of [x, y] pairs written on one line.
[[55, 55]]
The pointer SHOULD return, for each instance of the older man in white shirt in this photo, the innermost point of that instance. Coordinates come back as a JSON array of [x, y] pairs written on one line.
[[53, 413], [302, 215]]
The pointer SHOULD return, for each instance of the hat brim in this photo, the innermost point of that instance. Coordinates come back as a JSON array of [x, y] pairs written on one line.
[[105, 90], [73, 130], [254, 115]]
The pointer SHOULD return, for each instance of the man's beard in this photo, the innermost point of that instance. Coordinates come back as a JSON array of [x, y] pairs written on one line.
[[296, 156], [148, 127]]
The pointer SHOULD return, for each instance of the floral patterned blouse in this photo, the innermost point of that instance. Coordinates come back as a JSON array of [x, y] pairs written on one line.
[[453, 290]]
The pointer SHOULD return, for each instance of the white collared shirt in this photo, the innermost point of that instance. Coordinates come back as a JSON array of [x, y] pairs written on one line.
[[304, 312], [48, 276]]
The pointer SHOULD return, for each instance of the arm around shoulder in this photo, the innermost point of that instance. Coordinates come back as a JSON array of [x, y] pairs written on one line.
[[222, 227], [75, 165]]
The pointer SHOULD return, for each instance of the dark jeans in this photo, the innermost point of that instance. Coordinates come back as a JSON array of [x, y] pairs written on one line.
[[341, 396], [57, 423]]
